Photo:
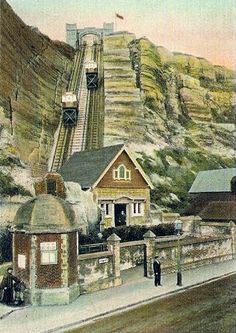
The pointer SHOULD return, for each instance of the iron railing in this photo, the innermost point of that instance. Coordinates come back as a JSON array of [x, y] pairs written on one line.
[[91, 248]]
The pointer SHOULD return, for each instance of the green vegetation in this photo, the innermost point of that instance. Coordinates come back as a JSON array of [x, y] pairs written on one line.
[[127, 233], [5, 245], [10, 161], [8, 186], [136, 232], [173, 171]]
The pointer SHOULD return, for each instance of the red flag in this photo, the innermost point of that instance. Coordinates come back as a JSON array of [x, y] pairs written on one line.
[[119, 16]]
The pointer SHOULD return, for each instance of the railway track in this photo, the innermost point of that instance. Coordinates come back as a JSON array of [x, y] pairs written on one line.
[[94, 138], [63, 146], [88, 133]]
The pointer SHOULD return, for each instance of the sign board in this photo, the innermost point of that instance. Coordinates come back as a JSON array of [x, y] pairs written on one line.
[[103, 260], [21, 261], [48, 246]]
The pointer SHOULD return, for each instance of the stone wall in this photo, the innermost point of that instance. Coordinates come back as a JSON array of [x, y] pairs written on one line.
[[214, 228], [95, 271], [101, 270], [194, 251], [131, 254]]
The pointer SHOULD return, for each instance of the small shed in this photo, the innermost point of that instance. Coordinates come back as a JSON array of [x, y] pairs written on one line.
[[213, 195], [45, 249]]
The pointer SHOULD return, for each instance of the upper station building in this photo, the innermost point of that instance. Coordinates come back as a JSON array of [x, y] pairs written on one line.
[[118, 183], [74, 35]]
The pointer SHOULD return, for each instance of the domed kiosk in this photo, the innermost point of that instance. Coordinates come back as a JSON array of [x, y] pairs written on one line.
[[45, 249]]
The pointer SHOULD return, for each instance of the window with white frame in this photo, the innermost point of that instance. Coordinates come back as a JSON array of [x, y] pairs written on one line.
[[122, 173], [48, 252], [106, 207], [137, 209]]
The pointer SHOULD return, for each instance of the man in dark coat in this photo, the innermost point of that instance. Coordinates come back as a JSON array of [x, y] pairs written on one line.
[[157, 271], [7, 285], [122, 218]]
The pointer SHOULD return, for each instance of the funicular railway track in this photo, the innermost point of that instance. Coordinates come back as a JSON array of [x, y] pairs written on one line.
[[80, 131], [87, 134], [96, 104], [66, 133], [88, 131]]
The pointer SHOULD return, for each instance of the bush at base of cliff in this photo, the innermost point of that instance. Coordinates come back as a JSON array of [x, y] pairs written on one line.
[[173, 171], [127, 233], [8, 187], [136, 232], [5, 245]]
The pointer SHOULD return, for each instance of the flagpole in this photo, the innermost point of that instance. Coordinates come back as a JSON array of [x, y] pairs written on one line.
[[115, 23]]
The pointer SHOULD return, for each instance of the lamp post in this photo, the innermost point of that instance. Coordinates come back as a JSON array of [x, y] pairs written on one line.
[[178, 229]]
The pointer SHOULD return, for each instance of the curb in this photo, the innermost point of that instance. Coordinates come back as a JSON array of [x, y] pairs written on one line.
[[79, 323], [11, 311]]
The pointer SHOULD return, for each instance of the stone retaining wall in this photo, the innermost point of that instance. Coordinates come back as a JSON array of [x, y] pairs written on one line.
[[131, 254], [194, 252], [95, 271]]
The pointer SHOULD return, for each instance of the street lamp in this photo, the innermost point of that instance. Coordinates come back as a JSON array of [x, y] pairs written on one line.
[[178, 229]]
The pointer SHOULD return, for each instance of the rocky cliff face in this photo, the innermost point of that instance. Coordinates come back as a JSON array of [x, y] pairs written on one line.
[[184, 114], [34, 73], [174, 110]]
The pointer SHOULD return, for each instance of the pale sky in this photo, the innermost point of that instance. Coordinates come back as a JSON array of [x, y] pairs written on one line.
[[204, 28]]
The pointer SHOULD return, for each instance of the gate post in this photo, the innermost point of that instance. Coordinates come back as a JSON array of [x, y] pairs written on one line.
[[114, 246], [233, 238], [149, 240]]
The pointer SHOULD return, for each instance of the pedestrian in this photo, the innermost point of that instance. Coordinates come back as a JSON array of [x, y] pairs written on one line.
[[157, 271], [122, 218], [7, 286], [19, 288]]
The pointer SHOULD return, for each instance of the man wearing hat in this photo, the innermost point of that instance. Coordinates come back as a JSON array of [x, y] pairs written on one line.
[[7, 285], [157, 271]]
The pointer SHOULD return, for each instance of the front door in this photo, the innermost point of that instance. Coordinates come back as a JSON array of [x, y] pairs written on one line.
[[120, 214]]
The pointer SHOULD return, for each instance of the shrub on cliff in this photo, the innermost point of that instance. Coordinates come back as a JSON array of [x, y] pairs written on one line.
[[5, 245], [8, 187]]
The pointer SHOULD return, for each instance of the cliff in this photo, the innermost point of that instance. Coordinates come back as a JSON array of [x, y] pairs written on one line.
[[175, 110], [34, 73]]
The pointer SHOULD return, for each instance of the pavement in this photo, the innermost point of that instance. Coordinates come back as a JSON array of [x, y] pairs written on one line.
[[135, 291]]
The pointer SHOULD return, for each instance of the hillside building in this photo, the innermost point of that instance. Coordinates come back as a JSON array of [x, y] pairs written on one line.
[[74, 35], [119, 185], [213, 195]]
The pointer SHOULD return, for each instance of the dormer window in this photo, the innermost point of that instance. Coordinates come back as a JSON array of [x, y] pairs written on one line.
[[122, 173]]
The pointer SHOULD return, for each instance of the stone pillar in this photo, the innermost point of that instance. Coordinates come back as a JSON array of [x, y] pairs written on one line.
[[114, 246], [33, 270], [233, 238], [64, 260], [14, 258], [196, 229], [149, 240]]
